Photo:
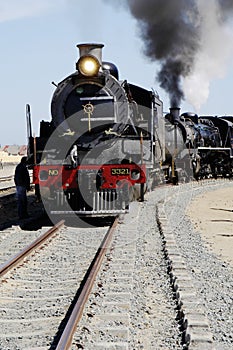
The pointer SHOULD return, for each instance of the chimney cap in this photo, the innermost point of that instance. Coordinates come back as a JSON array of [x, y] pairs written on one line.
[[90, 45]]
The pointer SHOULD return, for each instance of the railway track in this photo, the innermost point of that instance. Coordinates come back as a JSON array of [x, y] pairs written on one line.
[[40, 288], [7, 185], [40, 306], [6, 178], [131, 305], [88, 281], [32, 247], [195, 327]]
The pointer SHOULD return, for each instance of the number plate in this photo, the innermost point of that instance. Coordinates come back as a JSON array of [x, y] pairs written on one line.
[[120, 171]]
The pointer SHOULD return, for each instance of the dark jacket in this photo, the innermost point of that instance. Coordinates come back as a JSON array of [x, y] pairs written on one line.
[[22, 177]]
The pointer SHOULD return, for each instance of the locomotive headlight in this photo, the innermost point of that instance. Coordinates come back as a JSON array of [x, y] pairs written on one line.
[[88, 66]]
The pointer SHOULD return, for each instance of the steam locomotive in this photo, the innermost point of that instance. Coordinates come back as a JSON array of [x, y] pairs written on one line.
[[108, 142], [207, 144]]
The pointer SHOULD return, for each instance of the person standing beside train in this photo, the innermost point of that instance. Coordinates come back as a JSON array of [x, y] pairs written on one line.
[[22, 182]]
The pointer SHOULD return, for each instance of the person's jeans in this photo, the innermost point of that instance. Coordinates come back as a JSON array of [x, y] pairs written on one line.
[[21, 196]]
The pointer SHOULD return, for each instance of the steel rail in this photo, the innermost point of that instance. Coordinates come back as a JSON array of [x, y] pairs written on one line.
[[6, 178], [70, 328], [16, 259]]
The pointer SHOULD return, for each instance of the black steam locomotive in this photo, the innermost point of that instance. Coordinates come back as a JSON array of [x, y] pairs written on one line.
[[207, 144], [108, 142]]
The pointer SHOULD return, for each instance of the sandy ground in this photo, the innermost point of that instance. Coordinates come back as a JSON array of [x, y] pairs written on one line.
[[212, 215]]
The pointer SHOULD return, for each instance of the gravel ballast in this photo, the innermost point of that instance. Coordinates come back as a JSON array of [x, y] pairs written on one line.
[[211, 276]]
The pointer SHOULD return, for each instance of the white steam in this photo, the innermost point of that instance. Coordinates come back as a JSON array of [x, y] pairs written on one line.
[[212, 59]]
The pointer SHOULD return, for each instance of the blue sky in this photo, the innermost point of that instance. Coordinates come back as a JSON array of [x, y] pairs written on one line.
[[38, 45]]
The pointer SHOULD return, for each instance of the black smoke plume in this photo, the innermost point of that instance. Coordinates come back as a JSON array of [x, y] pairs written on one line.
[[172, 32]]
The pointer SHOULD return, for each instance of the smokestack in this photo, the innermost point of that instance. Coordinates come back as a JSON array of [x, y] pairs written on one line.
[[91, 50], [175, 113]]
